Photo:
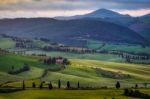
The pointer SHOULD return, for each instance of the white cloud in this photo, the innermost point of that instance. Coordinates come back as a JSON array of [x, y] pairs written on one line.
[[135, 13], [50, 13], [50, 8]]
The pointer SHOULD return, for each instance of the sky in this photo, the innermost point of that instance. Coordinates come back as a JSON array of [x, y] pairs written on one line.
[[52, 8]]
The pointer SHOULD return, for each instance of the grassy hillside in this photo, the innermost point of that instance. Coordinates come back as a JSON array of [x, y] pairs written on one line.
[[68, 94], [6, 43], [85, 72], [121, 47], [82, 70], [93, 56]]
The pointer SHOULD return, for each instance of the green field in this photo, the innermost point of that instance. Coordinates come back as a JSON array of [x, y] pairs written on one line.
[[82, 70], [91, 70], [6, 43], [92, 56], [68, 94], [93, 44]]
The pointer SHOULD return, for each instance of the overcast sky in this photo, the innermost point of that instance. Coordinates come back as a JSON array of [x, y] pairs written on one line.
[[51, 8]]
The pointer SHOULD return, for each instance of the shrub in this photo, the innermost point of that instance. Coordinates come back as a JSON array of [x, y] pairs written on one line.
[[136, 93], [17, 71]]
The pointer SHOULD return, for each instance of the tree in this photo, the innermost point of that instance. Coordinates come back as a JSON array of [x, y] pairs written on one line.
[[68, 84], [49, 61], [78, 84], [126, 91], [50, 86], [128, 59], [145, 84], [23, 85], [136, 85], [59, 84], [66, 61], [12, 67], [41, 85], [53, 60], [118, 85], [33, 85]]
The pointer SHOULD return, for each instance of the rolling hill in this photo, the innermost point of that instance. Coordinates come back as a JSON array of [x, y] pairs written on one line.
[[100, 13], [134, 23], [89, 72], [70, 32]]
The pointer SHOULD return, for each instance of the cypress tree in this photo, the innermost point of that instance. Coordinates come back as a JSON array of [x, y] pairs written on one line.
[[118, 85], [50, 86], [12, 67], [59, 84], [23, 85], [68, 84], [41, 85], [78, 84], [136, 85], [33, 85]]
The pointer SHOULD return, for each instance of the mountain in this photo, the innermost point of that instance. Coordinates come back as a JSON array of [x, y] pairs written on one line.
[[100, 13], [137, 24], [142, 26], [70, 32], [104, 13], [147, 15]]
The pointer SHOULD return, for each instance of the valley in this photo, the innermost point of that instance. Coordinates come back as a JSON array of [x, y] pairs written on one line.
[[102, 54]]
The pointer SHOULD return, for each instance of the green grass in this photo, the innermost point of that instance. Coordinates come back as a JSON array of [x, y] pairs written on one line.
[[67, 94], [6, 43], [82, 70], [127, 48], [93, 44], [39, 43], [9, 60], [93, 56]]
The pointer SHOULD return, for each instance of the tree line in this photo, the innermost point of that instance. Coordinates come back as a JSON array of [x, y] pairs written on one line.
[[26, 67], [136, 94], [55, 60], [69, 49], [59, 86]]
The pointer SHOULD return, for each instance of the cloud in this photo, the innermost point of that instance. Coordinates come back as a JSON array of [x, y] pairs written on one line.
[[72, 4], [50, 13], [135, 13], [9, 7]]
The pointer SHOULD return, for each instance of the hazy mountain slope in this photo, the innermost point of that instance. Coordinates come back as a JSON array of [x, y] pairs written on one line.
[[100, 13], [133, 23], [142, 26], [72, 32]]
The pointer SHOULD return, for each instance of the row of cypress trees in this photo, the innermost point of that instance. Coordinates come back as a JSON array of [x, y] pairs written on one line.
[[50, 86]]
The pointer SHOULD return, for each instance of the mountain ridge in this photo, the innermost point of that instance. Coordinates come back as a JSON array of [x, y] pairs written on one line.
[[69, 31]]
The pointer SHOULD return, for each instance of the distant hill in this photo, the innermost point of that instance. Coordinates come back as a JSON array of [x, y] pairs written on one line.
[[71, 32], [140, 25], [100, 13]]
